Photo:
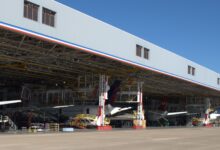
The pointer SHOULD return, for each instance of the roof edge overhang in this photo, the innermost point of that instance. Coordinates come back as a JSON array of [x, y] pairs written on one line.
[[47, 38]]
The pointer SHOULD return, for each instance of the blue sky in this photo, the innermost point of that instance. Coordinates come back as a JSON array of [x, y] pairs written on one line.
[[190, 28]]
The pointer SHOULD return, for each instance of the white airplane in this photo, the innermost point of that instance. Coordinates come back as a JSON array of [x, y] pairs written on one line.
[[162, 115], [152, 115], [211, 116], [9, 102], [156, 115], [215, 115], [109, 110]]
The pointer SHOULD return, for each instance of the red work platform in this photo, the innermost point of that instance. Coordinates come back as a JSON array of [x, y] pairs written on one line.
[[209, 125], [138, 127], [104, 128]]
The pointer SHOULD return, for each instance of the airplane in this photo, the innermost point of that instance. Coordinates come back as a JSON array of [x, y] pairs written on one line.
[[6, 119], [9, 102], [161, 115], [125, 118], [215, 115], [211, 116], [208, 117], [109, 108], [158, 117]]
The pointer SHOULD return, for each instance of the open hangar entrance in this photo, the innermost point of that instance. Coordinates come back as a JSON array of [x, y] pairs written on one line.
[[52, 79]]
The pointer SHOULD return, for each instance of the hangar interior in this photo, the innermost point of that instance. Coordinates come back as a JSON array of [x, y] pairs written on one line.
[[46, 75]]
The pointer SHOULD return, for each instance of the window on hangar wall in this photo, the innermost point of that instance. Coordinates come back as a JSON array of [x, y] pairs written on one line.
[[48, 17], [31, 10], [139, 50], [191, 70], [146, 53]]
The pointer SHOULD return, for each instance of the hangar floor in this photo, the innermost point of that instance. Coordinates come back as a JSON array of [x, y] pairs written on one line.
[[153, 139]]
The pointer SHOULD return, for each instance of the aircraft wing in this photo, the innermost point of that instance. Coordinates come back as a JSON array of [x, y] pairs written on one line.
[[10, 102], [116, 110], [214, 116], [62, 106], [176, 113]]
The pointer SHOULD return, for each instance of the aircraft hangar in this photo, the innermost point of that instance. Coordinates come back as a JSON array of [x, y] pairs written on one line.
[[58, 61]]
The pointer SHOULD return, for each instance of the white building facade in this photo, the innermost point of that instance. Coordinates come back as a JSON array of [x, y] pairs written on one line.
[[51, 20]]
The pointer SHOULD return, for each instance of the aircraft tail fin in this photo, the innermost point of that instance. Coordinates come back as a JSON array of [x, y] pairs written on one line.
[[163, 104], [112, 93]]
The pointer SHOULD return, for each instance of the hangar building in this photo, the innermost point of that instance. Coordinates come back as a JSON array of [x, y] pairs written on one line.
[[53, 54]]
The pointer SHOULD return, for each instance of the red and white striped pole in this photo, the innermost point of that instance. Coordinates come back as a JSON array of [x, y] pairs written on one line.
[[103, 96], [140, 103], [140, 114], [207, 113]]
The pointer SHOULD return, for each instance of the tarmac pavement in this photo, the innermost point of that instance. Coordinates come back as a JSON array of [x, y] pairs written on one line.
[[149, 139]]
